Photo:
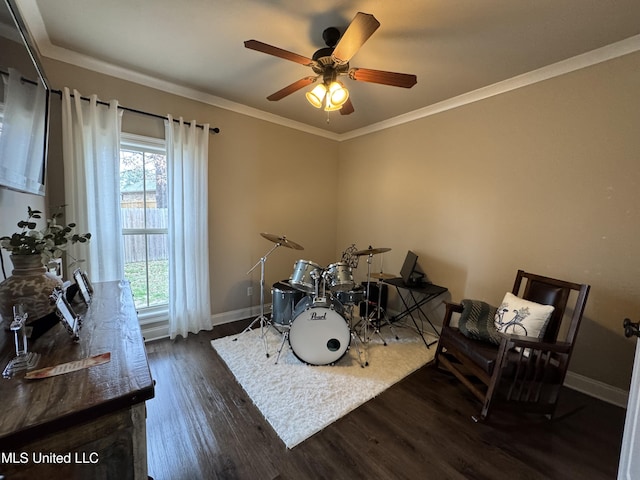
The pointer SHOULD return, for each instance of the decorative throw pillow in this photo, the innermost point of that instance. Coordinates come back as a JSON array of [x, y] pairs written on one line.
[[522, 317], [476, 321]]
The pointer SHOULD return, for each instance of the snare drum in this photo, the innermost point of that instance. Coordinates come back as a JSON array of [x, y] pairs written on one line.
[[305, 274], [319, 334], [284, 299], [351, 297], [338, 277]]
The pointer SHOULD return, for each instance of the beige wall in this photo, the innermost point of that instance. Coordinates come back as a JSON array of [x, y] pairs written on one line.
[[545, 178], [262, 178]]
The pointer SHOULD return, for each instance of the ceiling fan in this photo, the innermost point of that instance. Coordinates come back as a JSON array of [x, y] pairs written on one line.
[[330, 62]]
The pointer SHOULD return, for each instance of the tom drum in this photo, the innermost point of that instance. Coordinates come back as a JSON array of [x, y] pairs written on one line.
[[305, 275], [338, 277]]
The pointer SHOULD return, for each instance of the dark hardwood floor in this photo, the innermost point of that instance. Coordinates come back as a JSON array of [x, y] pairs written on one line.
[[202, 425]]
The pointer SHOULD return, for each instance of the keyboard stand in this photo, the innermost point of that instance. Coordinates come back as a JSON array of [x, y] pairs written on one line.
[[413, 299]]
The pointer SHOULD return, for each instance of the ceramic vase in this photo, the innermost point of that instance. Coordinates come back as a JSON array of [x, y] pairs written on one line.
[[29, 284]]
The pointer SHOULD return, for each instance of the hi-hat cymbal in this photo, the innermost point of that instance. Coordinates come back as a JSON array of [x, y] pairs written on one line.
[[284, 241], [371, 251], [382, 276]]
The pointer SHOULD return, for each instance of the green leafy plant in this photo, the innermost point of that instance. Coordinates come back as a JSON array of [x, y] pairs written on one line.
[[49, 242]]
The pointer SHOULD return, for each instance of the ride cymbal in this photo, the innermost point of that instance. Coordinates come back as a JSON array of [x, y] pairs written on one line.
[[371, 251], [282, 240]]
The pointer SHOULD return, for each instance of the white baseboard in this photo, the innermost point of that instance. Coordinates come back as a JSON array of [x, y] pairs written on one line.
[[159, 330], [597, 389], [154, 332], [243, 313]]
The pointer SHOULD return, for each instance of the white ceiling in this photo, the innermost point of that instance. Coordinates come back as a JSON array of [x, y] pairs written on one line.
[[195, 47]]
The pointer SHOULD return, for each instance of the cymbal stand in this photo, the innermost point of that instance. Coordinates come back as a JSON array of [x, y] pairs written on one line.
[[265, 323], [367, 317], [378, 311], [363, 359]]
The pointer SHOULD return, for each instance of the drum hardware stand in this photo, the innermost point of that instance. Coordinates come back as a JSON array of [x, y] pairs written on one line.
[[379, 312], [285, 337], [316, 280], [368, 316], [363, 359], [265, 323]]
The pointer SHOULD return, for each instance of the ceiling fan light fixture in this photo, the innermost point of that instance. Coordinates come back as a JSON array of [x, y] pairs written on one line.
[[336, 97], [316, 96]]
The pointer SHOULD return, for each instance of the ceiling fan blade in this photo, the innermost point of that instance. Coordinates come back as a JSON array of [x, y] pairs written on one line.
[[277, 52], [347, 108], [359, 30], [294, 87], [394, 79]]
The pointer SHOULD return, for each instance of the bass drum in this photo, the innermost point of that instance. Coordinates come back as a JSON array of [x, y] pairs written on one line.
[[284, 299], [319, 334]]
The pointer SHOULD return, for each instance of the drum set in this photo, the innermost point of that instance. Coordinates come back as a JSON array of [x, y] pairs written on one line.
[[314, 310]]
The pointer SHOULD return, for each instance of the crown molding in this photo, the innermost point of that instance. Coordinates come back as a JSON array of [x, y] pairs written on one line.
[[608, 52], [31, 13], [90, 63]]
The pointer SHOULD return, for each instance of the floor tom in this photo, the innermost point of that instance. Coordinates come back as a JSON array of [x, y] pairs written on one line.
[[284, 299]]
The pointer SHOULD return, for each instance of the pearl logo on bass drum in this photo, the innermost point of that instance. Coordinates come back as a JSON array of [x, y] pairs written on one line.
[[317, 316]]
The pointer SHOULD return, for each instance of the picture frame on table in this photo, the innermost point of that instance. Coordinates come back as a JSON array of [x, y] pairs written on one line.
[[71, 320], [84, 287], [87, 282]]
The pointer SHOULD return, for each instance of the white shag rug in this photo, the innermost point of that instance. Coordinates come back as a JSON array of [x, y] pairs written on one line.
[[299, 400]]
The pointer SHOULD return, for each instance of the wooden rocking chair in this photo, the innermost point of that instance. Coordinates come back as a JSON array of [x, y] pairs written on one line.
[[528, 378]]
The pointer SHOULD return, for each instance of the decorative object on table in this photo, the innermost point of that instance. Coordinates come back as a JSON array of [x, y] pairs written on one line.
[[83, 286], [32, 250], [85, 277], [24, 359], [71, 321], [69, 367]]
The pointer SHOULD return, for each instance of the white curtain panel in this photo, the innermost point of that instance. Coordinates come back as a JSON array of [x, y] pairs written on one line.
[[91, 153], [187, 179]]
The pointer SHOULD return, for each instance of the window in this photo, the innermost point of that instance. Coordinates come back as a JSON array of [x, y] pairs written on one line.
[[143, 208]]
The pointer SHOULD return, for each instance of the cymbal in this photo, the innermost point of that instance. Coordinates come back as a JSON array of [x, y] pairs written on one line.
[[282, 241], [371, 251], [382, 276]]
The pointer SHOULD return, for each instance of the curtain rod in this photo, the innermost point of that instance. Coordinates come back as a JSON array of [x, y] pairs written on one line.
[[141, 112]]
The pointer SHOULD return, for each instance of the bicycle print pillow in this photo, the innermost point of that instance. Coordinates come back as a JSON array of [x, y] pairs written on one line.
[[518, 316]]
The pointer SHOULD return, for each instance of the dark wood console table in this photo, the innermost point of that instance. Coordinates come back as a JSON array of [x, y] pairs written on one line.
[[84, 424]]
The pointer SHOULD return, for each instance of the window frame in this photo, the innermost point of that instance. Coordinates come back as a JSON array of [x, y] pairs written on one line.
[[155, 315]]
